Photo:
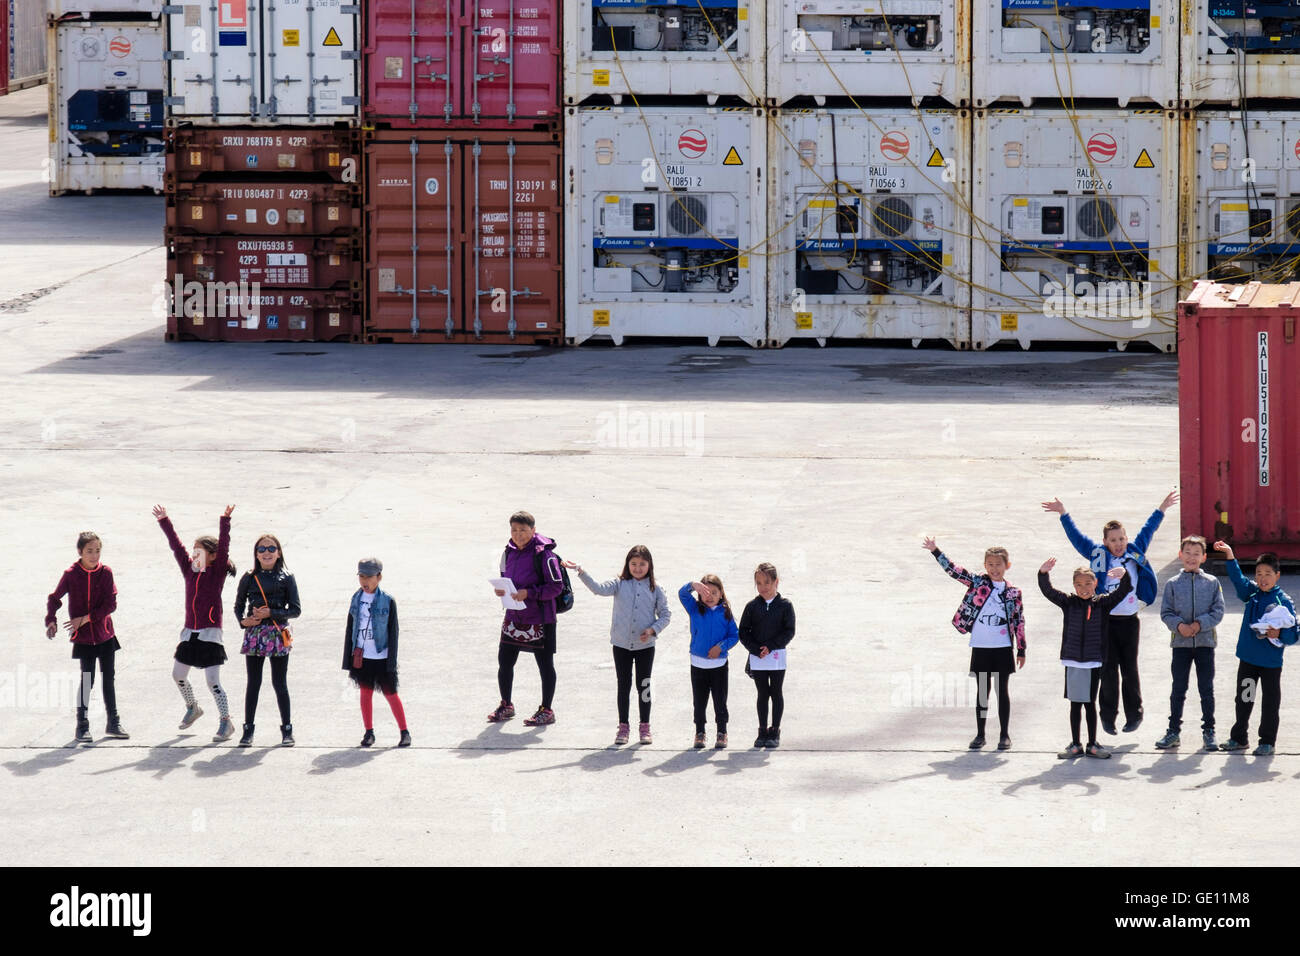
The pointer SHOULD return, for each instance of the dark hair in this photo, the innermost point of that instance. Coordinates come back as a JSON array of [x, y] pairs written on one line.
[[768, 569], [523, 517], [1271, 560], [638, 551], [1194, 539], [279, 553], [211, 545], [1110, 526], [714, 581], [85, 538]]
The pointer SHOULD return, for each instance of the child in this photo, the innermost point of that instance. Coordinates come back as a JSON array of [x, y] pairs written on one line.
[[1192, 608], [1084, 621], [766, 628], [640, 615], [1259, 673], [1122, 649], [92, 597], [713, 633], [200, 645], [370, 648], [992, 613], [267, 599]]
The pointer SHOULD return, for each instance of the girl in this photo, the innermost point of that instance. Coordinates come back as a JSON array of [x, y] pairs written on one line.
[[92, 597], [640, 615], [200, 644], [766, 629], [713, 633], [533, 568], [370, 648], [267, 599]]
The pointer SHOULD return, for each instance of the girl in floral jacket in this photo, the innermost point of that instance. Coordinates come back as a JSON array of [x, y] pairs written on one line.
[[992, 613]]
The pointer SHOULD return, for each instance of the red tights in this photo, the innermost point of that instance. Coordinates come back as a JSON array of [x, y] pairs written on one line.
[[368, 708]]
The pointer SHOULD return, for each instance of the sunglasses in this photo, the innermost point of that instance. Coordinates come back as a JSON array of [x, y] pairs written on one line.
[[264, 548]]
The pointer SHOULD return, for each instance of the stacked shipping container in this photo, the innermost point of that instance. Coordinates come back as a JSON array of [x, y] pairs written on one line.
[[22, 44]]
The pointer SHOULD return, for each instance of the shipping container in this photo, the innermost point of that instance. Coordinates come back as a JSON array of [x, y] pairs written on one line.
[[284, 62], [104, 9], [463, 237], [892, 48], [225, 152], [209, 313], [497, 67], [1239, 416], [870, 223], [1076, 227], [274, 262], [1050, 52], [25, 45], [4, 47], [666, 223], [705, 48], [106, 105], [293, 208], [1233, 51]]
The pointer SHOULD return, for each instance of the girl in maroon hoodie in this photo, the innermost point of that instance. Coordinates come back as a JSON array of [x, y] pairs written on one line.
[[200, 644], [92, 598]]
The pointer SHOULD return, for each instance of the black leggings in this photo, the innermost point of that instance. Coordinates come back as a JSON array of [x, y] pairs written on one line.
[[706, 681], [984, 682], [644, 660], [506, 657], [769, 688], [279, 680], [88, 674], [1091, 710]]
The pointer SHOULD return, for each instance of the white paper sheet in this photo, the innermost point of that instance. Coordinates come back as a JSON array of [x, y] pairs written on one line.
[[775, 661], [507, 602]]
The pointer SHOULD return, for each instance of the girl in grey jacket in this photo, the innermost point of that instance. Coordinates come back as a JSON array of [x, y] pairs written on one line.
[[640, 614]]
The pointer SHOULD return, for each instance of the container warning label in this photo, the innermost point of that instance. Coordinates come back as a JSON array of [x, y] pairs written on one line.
[[600, 77], [803, 320], [1010, 322], [732, 158], [332, 38], [1144, 161], [289, 37], [936, 158], [600, 318]]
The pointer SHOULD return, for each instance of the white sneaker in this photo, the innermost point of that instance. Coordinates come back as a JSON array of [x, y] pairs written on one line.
[[225, 730], [192, 713]]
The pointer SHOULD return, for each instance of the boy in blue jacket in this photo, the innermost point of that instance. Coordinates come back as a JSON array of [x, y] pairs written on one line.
[[1259, 673], [1119, 675]]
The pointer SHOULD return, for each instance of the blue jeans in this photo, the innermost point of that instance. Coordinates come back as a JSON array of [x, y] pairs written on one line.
[[1181, 667]]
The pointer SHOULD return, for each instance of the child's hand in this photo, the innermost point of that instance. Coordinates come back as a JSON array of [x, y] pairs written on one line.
[[1272, 633], [229, 509], [1117, 572], [714, 651], [1020, 660], [520, 595], [1047, 566], [1171, 499], [1186, 630], [702, 589], [763, 652], [1226, 549], [498, 592], [74, 625], [51, 631], [929, 545], [248, 622], [1054, 506], [159, 512], [648, 633], [571, 565], [262, 613]]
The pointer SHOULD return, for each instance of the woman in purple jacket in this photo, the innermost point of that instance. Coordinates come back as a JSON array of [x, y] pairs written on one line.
[[531, 565]]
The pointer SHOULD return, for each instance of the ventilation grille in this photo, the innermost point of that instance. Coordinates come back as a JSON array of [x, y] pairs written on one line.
[[892, 217], [688, 215], [1096, 218]]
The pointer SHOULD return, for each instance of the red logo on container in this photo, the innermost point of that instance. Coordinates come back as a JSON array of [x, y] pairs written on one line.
[[119, 46], [895, 144], [1102, 148], [1297, 149], [692, 144], [233, 13]]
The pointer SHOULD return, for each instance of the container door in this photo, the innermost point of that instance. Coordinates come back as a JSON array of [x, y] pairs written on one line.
[[311, 60], [214, 69], [513, 70], [409, 65]]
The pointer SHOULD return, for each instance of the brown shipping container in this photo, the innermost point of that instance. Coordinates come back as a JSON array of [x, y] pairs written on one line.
[[263, 208], [292, 315], [463, 238], [309, 262], [195, 152]]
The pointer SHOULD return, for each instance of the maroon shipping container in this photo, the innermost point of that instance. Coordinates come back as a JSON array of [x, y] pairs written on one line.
[[264, 208], [497, 66], [1239, 416], [4, 47], [195, 152], [309, 262], [463, 238], [293, 315]]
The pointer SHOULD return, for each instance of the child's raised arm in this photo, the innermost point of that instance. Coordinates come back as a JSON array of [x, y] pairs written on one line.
[[688, 602], [952, 570], [223, 540], [178, 549], [1078, 540], [1240, 583], [1120, 593], [1045, 584]]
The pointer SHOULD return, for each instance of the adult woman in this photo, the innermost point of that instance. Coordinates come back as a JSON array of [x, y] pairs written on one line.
[[266, 601]]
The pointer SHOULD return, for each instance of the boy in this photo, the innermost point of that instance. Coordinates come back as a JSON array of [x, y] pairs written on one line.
[[1122, 648], [1085, 620], [1192, 608], [1259, 672], [766, 628], [370, 648]]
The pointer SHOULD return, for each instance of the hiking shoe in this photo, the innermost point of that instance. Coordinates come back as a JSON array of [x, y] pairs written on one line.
[[977, 743], [247, 739], [192, 713], [1108, 726], [1097, 750], [369, 738], [405, 739], [1264, 750], [1004, 742], [1074, 750], [1132, 725], [1231, 745], [720, 743], [115, 729], [225, 730], [1168, 741], [761, 739], [621, 735], [541, 718], [699, 741], [504, 711], [644, 731], [1210, 742], [773, 738], [286, 735]]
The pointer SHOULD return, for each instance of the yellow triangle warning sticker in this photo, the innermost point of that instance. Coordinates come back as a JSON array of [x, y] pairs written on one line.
[[936, 158], [1144, 161], [332, 39], [732, 158]]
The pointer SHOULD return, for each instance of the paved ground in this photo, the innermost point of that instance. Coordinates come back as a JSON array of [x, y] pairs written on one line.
[[830, 463]]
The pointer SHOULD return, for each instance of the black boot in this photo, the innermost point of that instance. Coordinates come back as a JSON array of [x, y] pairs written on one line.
[[83, 727], [369, 738], [247, 739], [115, 728], [286, 735], [773, 738]]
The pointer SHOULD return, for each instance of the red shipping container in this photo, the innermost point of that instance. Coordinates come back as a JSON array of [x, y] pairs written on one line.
[[4, 47], [293, 315], [195, 152], [463, 238], [497, 67], [264, 208], [310, 262], [1239, 416]]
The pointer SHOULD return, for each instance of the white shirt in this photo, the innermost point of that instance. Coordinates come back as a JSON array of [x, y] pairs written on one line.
[[366, 631], [1129, 606], [1087, 667], [991, 628]]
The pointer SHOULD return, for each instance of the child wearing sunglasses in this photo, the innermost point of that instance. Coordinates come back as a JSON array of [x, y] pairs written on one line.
[[266, 601]]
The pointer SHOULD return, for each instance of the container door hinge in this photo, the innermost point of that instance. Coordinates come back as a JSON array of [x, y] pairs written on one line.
[[174, 55]]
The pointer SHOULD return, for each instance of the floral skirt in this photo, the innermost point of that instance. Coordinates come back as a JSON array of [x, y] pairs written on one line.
[[263, 640]]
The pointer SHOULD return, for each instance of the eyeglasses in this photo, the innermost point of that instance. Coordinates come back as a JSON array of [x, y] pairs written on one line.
[[263, 548]]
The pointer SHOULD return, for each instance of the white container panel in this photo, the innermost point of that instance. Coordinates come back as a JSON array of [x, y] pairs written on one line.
[[1233, 48], [110, 9]]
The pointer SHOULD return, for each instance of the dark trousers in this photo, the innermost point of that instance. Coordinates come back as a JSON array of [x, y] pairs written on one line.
[[643, 660], [279, 680], [983, 693], [706, 681], [1121, 667], [1265, 685], [769, 689], [106, 668], [1181, 667], [506, 658]]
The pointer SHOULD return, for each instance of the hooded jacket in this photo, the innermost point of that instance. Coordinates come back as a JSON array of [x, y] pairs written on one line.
[[202, 588], [520, 565], [710, 627], [1135, 549]]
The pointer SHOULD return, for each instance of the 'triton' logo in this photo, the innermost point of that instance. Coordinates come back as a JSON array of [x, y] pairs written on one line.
[[75, 909]]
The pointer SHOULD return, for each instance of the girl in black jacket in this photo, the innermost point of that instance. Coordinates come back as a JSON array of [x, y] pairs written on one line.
[[266, 601], [766, 627], [1083, 646]]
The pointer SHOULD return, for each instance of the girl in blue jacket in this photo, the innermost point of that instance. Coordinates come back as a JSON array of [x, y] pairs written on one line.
[[713, 633]]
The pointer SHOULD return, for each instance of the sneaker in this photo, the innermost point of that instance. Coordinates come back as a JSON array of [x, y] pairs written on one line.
[[644, 731], [1132, 725], [504, 711], [1231, 745], [192, 713], [761, 739], [541, 718], [1074, 750], [720, 743], [82, 735], [1210, 742], [247, 739], [1004, 742], [405, 739], [1108, 726], [1264, 750], [225, 730], [115, 729], [699, 741], [1168, 741], [1097, 750], [286, 735], [621, 735], [977, 743], [773, 738], [369, 738]]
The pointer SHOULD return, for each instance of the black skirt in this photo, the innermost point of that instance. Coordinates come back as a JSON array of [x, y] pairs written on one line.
[[197, 653], [992, 660], [95, 652], [376, 675]]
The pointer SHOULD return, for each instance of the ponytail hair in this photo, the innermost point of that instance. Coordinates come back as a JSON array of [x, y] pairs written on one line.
[[211, 545]]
